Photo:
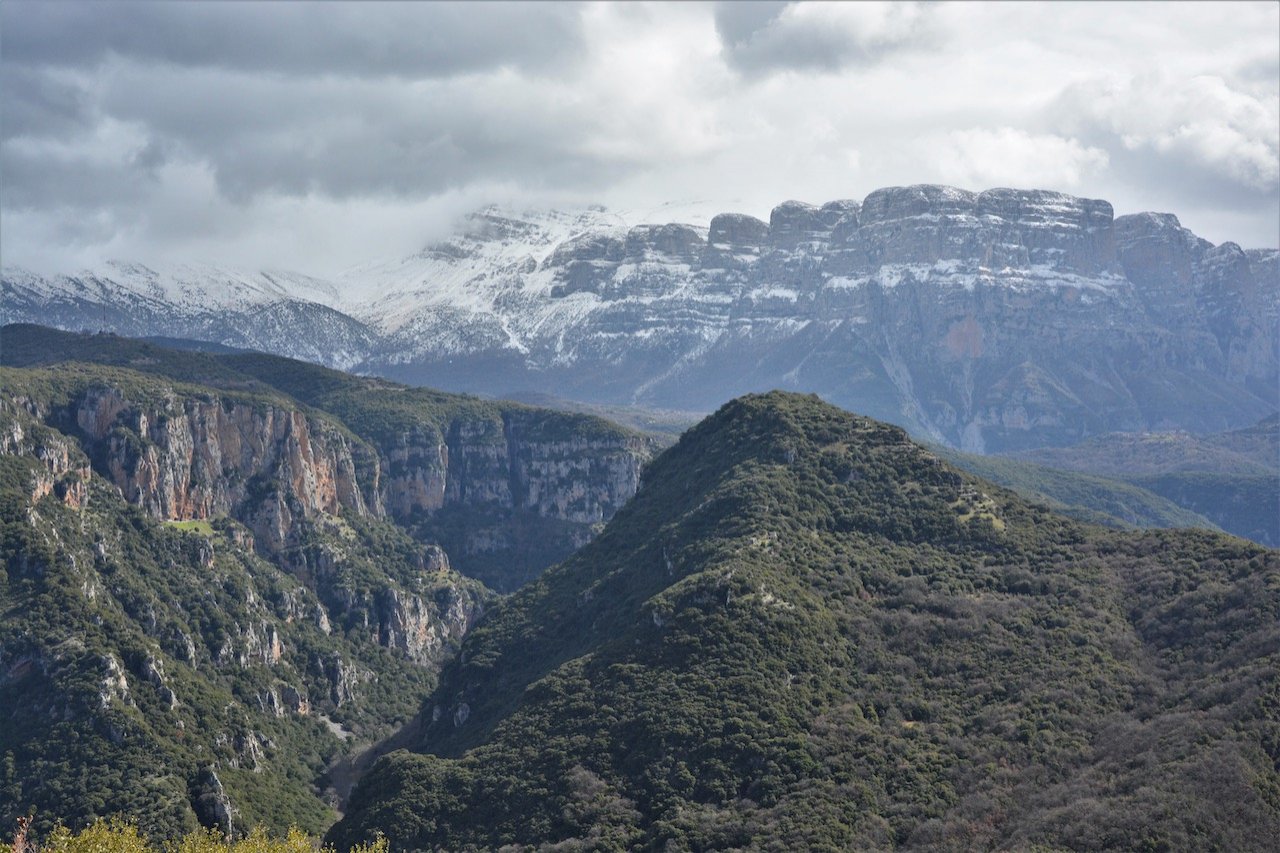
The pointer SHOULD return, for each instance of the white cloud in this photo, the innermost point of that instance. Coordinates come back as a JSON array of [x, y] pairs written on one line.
[[1203, 121], [978, 157]]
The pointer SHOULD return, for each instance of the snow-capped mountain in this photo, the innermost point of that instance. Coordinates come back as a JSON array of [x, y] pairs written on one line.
[[1003, 319], [275, 311]]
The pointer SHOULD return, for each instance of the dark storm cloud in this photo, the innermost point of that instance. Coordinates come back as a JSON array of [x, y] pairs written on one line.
[[331, 98], [37, 104], [344, 138], [402, 39]]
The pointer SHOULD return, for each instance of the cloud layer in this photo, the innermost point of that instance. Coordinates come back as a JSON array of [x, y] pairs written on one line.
[[316, 136]]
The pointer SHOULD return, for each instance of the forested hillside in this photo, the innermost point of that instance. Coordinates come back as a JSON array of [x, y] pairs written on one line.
[[223, 575], [806, 632], [1231, 478]]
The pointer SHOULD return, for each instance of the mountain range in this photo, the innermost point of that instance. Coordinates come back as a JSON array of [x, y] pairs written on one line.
[[1005, 320], [236, 585]]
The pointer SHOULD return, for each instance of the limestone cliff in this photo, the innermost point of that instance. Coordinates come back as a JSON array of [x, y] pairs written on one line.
[[200, 584], [182, 457], [490, 483]]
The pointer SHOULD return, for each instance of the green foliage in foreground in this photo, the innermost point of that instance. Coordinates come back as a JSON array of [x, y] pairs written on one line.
[[807, 633], [118, 836]]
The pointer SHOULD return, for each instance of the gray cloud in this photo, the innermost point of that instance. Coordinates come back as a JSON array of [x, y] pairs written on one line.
[[38, 104], [738, 22], [344, 138], [358, 39], [760, 37], [319, 135]]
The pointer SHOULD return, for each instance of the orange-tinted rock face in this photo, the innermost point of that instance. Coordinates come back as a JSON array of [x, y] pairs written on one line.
[[515, 490], [414, 470], [193, 458], [190, 456]]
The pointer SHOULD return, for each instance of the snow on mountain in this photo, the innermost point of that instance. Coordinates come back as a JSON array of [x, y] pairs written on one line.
[[187, 286], [468, 272], [260, 310], [981, 319]]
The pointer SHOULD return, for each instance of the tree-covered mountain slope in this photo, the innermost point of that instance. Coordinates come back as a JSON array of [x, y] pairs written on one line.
[[168, 672], [1087, 497], [807, 632], [1232, 478], [221, 576]]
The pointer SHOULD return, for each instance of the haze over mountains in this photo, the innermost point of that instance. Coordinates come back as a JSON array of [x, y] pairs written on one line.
[[1004, 320]]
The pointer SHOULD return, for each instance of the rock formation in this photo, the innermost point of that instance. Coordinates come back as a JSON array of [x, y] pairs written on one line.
[[996, 320]]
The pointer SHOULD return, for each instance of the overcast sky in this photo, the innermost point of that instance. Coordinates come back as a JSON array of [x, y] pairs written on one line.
[[318, 136]]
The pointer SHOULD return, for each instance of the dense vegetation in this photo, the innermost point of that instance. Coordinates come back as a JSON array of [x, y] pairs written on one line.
[[375, 409], [1087, 497], [377, 412], [806, 632], [178, 672], [141, 671]]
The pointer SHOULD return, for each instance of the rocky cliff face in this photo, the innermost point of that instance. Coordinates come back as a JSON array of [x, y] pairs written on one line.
[[993, 320], [205, 585], [55, 464], [184, 457], [505, 489], [187, 457], [1234, 293]]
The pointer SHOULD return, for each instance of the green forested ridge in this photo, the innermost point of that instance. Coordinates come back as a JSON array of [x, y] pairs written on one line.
[[383, 415], [1231, 478], [1086, 488], [375, 409], [1087, 497], [806, 632]]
